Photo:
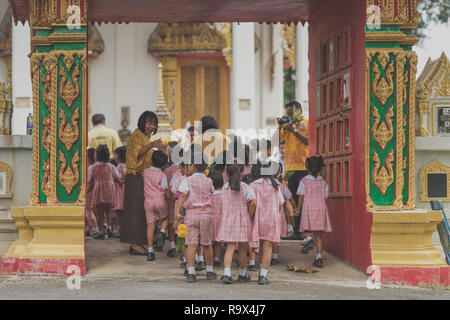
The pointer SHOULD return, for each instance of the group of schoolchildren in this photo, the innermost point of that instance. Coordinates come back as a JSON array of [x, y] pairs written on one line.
[[227, 206]]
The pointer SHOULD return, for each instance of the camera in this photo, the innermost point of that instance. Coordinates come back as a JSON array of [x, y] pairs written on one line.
[[283, 120]]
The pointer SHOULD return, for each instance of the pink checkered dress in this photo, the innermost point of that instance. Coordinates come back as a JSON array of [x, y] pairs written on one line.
[[102, 178], [314, 210], [155, 203], [287, 196], [217, 212], [225, 177], [170, 172], [199, 218], [266, 222], [235, 225], [119, 188]]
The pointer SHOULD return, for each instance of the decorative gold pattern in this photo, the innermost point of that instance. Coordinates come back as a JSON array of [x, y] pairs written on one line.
[[383, 177], [68, 134], [8, 171], [179, 37], [46, 185], [383, 133], [228, 50], [69, 177], [398, 12], [383, 87], [434, 168], [46, 13], [35, 63], [46, 133], [69, 90]]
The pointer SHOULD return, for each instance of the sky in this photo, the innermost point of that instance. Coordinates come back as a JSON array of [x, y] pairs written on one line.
[[438, 40]]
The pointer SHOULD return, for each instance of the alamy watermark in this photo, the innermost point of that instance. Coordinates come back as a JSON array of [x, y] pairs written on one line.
[[74, 18], [373, 17], [74, 280], [374, 280]]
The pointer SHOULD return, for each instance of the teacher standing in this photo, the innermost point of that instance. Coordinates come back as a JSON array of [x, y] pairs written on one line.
[[139, 154]]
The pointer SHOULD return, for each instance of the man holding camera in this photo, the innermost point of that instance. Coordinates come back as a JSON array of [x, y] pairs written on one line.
[[293, 130]]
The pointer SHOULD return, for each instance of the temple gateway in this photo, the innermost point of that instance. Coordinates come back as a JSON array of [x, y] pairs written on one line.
[[361, 95]]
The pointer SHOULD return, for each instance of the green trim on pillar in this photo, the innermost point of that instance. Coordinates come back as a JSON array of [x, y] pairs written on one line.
[[383, 28], [394, 45], [60, 29], [41, 49], [43, 32], [69, 46]]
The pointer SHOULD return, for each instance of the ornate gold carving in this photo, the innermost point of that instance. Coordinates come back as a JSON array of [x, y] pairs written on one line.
[[35, 63], [383, 177], [434, 81], [69, 90], [4, 167], [175, 37], [46, 133], [383, 87], [46, 185], [68, 134], [46, 13], [397, 12], [382, 133], [69, 177], [228, 50], [434, 167]]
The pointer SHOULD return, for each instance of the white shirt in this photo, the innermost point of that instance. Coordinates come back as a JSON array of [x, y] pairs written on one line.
[[249, 193], [280, 195], [301, 187], [163, 183], [184, 186]]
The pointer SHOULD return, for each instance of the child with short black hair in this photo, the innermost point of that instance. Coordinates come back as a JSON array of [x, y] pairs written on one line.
[[217, 179], [238, 206], [156, 192], [103, 176], [312, 193], [195, 196], [266, 222]]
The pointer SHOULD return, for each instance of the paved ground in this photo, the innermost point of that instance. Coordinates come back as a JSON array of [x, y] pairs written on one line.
[[113, 274]]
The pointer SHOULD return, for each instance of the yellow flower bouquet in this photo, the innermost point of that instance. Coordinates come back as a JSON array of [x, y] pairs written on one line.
[[181, 236]]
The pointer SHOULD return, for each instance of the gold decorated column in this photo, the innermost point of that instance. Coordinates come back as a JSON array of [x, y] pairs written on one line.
[[170, 85], [59, 80]]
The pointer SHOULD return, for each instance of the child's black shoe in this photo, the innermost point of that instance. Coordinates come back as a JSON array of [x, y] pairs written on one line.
[[244, 278], [211, 275], [172, 253], [200, 266], [263, 280], [274, 262], [308, 246], [251, 267], [151, 256], [318, 263], [217, 263], [226, 279], [190, 277]]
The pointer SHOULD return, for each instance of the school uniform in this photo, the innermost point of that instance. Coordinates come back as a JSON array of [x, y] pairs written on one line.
[[287, 195], [315, 215], [266, 222], [170, 173], [217, 212], [102, 177], [199, 219], [235, 225], [155, 204]]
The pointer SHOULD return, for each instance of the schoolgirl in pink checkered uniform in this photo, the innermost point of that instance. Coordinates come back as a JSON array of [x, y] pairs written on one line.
[[101, 183], [170, 172], [266, 222], [156, 194], [195, 197], [238, 206], [312, 192], [91, 222], [119, 190], [216, 202]]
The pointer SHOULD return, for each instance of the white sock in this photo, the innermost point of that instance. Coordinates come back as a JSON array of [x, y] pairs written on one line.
[[319, 256], [200, 258], [308, 238], [209, 269], [150, 249], [252, 262], [216, 259], [263, 272], [227, 272], [163, 231], [191, 270], [172, 245], [184, 259], [242, 272], [196, 257], [275, 256]]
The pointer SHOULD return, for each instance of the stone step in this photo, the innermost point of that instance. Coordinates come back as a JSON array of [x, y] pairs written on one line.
[[5, 215], [4, 246]]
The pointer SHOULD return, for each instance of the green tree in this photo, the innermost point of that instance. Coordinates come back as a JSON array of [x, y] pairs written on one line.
[[432, 11]]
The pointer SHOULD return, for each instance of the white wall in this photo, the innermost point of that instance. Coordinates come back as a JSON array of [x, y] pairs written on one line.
[[21, 79], [302, 65], [242, 77], [125, 74], [270, 99]]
